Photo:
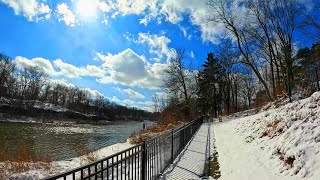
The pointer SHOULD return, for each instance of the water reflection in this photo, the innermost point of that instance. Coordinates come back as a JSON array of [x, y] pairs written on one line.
[[37, 142]]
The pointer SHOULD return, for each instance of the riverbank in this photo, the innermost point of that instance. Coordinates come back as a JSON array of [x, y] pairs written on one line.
[[40, 170], [61, 122], [36, 150], [14, 110]]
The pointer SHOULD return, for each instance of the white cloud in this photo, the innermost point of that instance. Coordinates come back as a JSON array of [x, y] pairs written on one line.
[[105, 6], [65, 14], [158, 44], [93, 94], [184, 30], [60, 68], [129, 102], [31, 9], [23, 62], [191, 54], [69, 70], [95, 71], [105, 21], [133, 94], [115, 99], [62, 82], [132, 6], [147, 105], [173, 11], [131, 69]]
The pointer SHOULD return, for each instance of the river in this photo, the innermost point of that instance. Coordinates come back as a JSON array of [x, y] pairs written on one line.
[[43, 142]]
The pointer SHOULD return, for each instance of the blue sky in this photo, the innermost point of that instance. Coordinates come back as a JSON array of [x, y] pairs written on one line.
[[116, 48]]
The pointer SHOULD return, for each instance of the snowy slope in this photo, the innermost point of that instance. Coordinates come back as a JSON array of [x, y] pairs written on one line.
[[282, 143]]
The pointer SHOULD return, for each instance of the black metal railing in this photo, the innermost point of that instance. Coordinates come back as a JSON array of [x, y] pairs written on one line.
[[143, 161]]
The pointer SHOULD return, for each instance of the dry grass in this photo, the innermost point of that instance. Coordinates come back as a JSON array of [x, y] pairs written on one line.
[[287, 160], [273, 129], [153, 131], [280, 91], [88, 157], [168, 119], [22, 163], [85, 154]]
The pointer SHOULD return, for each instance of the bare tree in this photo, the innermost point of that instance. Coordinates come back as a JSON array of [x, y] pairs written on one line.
[[223, 14], [159, 102], [31, 81], [7, 68], [247, 88], [261, 30], [284, 19], [180, 81]]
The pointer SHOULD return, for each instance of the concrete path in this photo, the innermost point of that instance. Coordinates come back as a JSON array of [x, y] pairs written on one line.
[[190, 163]]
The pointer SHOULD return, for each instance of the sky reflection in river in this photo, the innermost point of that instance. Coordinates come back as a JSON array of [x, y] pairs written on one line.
[[37, 142]]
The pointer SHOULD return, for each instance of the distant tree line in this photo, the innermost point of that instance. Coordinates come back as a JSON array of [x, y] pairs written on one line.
[[31, 84], [255, 63]]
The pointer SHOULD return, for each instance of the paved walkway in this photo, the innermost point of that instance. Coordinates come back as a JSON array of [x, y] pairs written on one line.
[[190, 163]]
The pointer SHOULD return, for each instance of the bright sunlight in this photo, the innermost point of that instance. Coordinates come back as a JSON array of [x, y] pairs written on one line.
[[87, 8]]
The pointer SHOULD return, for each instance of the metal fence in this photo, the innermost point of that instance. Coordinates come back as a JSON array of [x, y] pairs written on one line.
[[145, 161]]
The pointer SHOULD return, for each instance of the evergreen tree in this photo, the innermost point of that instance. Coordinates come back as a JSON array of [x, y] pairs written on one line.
[[210, 79]]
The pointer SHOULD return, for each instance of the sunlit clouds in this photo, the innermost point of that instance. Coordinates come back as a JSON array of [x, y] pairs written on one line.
[[87, 8], [31, 9], [65, 14]]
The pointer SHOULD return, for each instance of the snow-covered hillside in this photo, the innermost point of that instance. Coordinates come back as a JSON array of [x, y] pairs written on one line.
[[283, 142]]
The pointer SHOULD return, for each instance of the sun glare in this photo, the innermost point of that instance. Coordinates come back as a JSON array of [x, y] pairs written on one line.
[[87, 8]]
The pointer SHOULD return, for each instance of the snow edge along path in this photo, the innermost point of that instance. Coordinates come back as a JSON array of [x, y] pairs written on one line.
[[238, 159], [279, 143]]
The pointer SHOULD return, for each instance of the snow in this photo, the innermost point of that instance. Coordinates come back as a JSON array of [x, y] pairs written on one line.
[[57, 167], [49, 106], [282, 143], [277, 144], [190, 163], [36, 104]]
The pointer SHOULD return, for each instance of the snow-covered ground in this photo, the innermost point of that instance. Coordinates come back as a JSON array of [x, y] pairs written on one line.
[[282, 143], [66, 165]]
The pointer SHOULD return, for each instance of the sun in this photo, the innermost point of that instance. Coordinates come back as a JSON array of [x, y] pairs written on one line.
[[87, 8]]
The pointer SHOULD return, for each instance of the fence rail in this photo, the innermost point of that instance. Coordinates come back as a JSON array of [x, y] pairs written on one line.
[[145, 161]]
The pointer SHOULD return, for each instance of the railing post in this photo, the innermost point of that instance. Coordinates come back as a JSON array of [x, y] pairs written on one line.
[[184, 136], [144, 161], [172, 134], [317, 79]]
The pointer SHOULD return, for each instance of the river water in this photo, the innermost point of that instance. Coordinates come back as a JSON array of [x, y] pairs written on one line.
[[43, 142]]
